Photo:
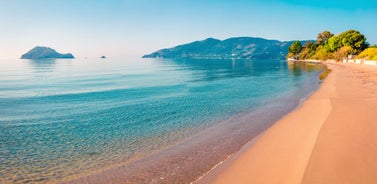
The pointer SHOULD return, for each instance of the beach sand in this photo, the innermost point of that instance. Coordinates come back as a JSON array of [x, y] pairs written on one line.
[[331, 138]]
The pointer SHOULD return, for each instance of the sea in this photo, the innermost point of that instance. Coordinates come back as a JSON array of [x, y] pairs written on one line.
[[137, 120]]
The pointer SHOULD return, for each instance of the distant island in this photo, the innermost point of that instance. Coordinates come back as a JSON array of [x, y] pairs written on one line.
[[232, 48], [40, 52], [103, 57]]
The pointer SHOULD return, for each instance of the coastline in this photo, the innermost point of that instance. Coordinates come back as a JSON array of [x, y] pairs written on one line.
[[183, 155], [189, 160], [329, 139]]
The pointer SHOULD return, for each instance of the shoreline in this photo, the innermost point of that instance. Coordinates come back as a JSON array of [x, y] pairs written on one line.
[[170, 158], [304, 146], [188, 161]]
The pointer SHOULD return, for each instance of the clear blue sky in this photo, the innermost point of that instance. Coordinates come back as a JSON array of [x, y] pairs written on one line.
[[117, 28]]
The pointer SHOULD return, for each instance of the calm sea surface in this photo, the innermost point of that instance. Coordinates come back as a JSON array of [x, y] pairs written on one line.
[[64, 119]]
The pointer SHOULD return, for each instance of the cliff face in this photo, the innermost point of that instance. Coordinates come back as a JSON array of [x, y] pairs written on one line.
[[237, 48], [44, 53]]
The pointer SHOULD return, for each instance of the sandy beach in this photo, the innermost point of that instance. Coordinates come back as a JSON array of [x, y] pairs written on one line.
[[331, 138]]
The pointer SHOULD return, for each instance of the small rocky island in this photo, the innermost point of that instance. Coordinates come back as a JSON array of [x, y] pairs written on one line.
[[103, 57], [40, 52]]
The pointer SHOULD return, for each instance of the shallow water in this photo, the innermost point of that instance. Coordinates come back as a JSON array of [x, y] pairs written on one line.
[[62, 119]]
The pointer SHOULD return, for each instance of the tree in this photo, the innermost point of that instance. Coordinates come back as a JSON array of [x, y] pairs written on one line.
[[328, 46], [321, 53], [310, 45], [308, 50], [323, 37], [354, 39], [290, 55], [295, 48], [342, 53], [332, 44]]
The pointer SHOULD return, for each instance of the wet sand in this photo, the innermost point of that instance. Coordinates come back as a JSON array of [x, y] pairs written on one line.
[[331, 138]]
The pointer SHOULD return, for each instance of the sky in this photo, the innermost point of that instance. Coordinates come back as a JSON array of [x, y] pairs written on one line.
[[121, 28]]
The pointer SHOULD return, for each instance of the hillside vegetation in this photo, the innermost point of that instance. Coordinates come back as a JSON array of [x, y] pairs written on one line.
[[232, 48], [330, 46]]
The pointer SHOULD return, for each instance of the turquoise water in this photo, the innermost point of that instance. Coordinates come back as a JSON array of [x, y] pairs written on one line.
[[63, 118]]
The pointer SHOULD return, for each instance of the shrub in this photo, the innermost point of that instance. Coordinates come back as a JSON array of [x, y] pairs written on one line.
[[342, 53], [322, 54], [369, 53]]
